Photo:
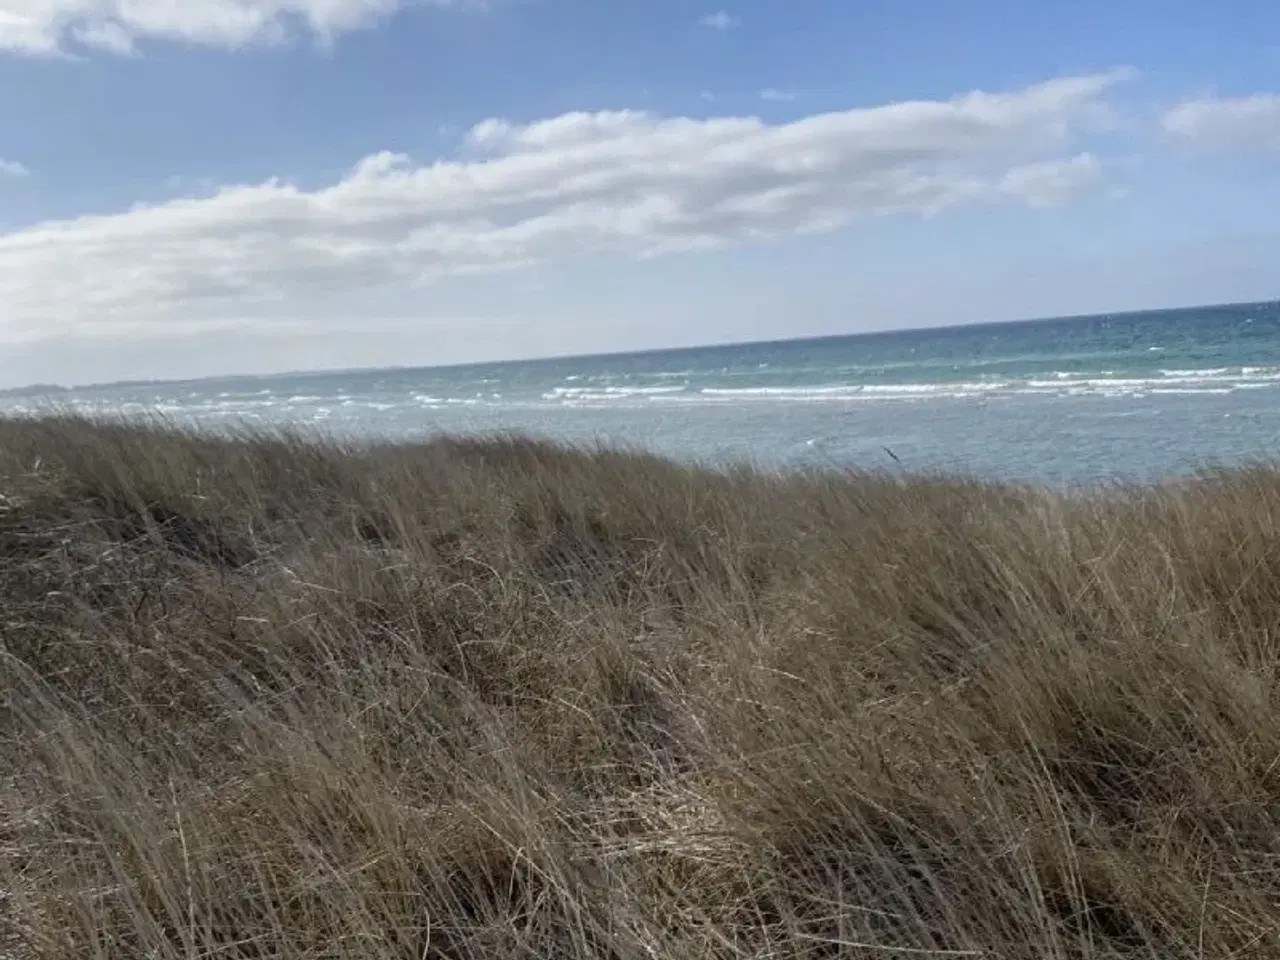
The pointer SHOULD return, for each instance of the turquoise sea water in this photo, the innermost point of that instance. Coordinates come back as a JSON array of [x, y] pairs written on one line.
[[1130, 396]]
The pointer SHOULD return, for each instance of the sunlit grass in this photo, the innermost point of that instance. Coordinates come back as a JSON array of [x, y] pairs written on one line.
[[272, 698]]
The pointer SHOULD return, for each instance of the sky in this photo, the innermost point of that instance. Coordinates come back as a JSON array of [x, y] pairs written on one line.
[[203, 187]]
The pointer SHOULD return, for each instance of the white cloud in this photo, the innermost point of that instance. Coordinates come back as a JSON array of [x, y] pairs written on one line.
[[50, 26], [618, 183], [1052, 182], [777, 96], [1251, 121], [12, 168], [720, 20]]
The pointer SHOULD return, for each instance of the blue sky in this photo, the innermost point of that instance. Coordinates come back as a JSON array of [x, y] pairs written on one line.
[[219, 186]]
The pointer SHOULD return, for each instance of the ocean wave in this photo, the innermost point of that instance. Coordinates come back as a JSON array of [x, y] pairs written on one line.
[[1208, 381], [781, 391], [1210, 377], [1191, 391], [855, 391], [582, 394]]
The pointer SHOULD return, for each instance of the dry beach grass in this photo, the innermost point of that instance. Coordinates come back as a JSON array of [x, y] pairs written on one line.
[[269, 697]]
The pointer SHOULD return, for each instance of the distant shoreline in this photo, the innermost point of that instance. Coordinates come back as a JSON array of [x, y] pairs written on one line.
[[36, 390]]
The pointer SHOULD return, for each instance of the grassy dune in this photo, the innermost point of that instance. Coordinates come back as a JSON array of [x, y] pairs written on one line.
[[274, 698]]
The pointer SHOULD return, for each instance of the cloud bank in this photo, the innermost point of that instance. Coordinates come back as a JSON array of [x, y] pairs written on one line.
[[43, 27], [624, 184]]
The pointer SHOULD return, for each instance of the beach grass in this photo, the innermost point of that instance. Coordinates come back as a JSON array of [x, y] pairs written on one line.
[[276, 697]]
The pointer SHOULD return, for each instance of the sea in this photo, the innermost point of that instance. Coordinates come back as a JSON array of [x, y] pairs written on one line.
[[1082, 400]]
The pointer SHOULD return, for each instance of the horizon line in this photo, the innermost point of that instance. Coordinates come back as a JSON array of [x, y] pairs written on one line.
[[34, 388]]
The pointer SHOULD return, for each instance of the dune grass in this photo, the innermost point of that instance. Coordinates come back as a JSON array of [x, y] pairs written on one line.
[[269, 697]]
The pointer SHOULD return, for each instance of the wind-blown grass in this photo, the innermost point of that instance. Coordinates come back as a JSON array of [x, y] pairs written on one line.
[[269, 697]]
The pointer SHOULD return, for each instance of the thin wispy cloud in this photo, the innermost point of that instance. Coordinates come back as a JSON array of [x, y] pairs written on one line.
[[773, 95], [1248, 121], [51, 27], [620, 183], [720, 20], [11, 168]]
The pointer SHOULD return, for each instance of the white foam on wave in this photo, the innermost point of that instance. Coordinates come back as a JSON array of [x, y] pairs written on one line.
[[1078, 374], [1203, 380], [604, 394], [1208, 381], [877, 391], [833, 391], [930, 388]]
